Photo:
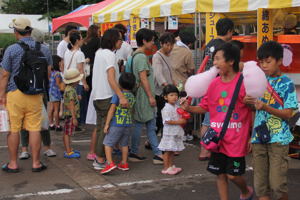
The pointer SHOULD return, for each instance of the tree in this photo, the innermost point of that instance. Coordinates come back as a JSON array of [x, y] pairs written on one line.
[[56, 7]]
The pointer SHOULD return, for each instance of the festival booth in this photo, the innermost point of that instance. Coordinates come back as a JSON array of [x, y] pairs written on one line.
[[81, 16]]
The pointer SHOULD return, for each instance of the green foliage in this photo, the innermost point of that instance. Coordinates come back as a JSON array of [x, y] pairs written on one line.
[[6, 39], [57, 8]]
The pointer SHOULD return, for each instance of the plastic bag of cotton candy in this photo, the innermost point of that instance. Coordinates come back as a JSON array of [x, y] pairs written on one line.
[[254, 80], [197, 85]]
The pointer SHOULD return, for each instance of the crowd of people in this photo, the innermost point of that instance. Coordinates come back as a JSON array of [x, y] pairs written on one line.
[[102, 81]]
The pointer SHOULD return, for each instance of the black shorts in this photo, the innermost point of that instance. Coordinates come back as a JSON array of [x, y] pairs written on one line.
[[221, 164]]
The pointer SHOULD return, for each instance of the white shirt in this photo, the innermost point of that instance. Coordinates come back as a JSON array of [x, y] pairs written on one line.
[[62, 48], [104, 60], [70, 62], [124, 52]]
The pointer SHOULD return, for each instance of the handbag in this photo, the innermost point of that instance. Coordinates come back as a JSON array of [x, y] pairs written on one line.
[[296, 114], [211, 139]]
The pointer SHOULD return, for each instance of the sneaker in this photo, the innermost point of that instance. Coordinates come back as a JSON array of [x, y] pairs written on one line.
[[52, 127], [108, 168], [91, 156], [72, 154], [98, 166], [164, 171], [50, 153], [178, 169], [24, 155], [123, 167], [58, 129], [135, 158], [158, 160], [76, 151], [189, 137]]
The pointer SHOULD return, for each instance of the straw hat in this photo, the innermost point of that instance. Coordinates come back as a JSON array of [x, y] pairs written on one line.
[[72, 75], [37, 35], [21, 23]]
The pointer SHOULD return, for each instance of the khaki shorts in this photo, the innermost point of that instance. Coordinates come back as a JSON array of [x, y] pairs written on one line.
[[25, 111], [270, 163]]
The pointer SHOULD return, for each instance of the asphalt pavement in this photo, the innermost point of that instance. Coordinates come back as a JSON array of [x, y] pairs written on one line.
[[76, 179]]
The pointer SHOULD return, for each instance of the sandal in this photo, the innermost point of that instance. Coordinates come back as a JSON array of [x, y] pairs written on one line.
[[251, 196], [9, 170], [39, 169]]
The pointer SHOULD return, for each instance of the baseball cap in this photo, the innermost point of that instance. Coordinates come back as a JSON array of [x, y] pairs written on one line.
[[20, 23]]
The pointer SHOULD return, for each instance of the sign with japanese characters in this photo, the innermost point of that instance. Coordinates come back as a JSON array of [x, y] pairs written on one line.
[[172, 23], [211, 21], [134, 27], [264, 26]]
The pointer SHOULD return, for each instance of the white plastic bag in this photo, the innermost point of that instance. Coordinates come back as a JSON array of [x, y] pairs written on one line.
[[4, 120], [45, 119]]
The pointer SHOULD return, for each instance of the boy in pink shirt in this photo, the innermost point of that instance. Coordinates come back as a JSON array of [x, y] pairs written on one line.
[[229, 162]]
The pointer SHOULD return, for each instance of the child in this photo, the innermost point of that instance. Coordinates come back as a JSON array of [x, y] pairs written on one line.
[[172, 140], [118, 125], [71, 110], [229, 162], [270, 156], [55, 93]]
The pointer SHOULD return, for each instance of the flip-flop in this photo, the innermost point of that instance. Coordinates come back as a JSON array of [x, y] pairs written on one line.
[[39, 169], [9, 170], [251, 196]]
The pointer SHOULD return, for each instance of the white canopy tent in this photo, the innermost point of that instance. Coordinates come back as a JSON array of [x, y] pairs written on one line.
[[5, 19]]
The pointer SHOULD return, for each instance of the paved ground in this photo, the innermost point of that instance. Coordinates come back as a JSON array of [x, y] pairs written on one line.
[[76, 179]]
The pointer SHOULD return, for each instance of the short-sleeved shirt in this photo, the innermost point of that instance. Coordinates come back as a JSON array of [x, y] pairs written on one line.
[[162, 71], [124, 52], [182, 62], [123, 116], [62, 48], [216, 102], [71, 95], [279, 128], [13, 56], [72, 59], [104, 60], [210, 49], [53, 87], [143, 111]]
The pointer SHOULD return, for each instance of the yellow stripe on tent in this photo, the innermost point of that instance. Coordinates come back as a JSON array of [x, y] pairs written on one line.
[[205, 5], [176, 8], [280, 3], [238, 5], [107, 17]]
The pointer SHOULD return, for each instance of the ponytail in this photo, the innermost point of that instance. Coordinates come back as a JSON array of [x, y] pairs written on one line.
[[74, 36]]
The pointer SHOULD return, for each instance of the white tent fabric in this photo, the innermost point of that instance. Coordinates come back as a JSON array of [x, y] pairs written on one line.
[[5, 20]]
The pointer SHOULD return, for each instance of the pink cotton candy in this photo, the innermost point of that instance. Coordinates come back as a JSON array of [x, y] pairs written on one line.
[[255, 80], [197, 85]]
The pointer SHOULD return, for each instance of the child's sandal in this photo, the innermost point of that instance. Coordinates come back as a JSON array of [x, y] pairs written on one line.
[[251, 196]]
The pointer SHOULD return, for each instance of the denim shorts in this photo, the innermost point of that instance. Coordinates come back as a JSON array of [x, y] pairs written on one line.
[[117, 135], [52, 98], [206, 121]]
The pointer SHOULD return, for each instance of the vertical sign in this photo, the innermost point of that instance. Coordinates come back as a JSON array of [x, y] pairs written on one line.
[[134, 27], [264, 26], [172, 23], [145, 23], [211, 21]]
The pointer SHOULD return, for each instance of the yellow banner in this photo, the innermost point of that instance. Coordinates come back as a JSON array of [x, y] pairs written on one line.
[[211, 21], [264, 26], [134, 27]]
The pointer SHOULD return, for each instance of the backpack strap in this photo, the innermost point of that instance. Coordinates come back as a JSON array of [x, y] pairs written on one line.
[[131, 64], [37, 46], [24, 46]]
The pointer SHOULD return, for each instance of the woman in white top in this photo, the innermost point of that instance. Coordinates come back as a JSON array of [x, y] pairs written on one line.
[[105, 85], [74, 58]]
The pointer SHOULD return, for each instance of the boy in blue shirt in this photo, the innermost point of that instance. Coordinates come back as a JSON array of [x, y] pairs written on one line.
[[272, 135], [119, 124]]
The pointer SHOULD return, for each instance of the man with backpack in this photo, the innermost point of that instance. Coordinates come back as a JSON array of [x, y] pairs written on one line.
[[23, 80]]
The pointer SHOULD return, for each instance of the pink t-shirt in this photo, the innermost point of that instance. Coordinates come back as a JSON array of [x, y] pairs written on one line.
[[216, 102]]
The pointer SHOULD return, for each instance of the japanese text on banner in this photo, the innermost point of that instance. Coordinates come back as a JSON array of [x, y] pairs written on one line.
[[211, 21], [264, 26]]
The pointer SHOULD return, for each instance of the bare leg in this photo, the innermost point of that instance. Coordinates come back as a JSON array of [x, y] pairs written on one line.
[[166, 156], [222, 183], [108, 154], [35, 145], [240, 182], [93, 141], [56, 113], [171, 159], [13, 140], [124, 154], [67, 143]]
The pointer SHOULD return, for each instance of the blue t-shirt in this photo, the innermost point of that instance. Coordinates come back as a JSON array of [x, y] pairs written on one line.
[[279, 128], [123, 116]]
